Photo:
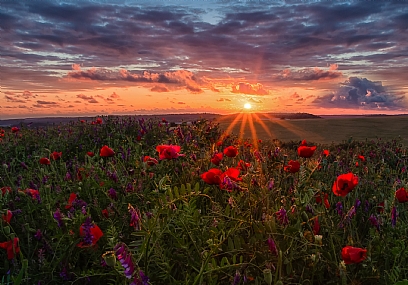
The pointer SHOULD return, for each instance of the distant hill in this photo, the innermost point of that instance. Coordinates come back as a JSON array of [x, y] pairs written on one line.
[[172, 118]]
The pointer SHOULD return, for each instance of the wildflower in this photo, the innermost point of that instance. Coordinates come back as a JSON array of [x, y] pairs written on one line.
[[58, 217], [106, 152], [113, 194], [374, 222], [339, 208], [144, 278], [23, 165], [15, 130], [344, 184], [35, 194], [232, 173], [125, 259], [353, 254], [90, 232], [168, 151], [271, 184], [5, 189], [45, 161], [216, 159], [282, 216], [242, 165], [394, 215], [272, 246], [150, 161], [135, 220], [293, 166], [306, 151], [237, 278], [326, 153], [56, 155], [357, 203], [90, 154], [213, 176], [316, 226], [98, 121], [258, 155], [11, 246], [361, 158], [7, 217], [105, 213], [402, 195], [231, 151], [71, 199], [38, 235]]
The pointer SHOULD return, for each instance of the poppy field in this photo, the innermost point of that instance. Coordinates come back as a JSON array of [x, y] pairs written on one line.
[[124, 200]]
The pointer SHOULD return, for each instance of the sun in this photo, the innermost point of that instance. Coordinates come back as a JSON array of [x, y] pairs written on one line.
[[247, 106]]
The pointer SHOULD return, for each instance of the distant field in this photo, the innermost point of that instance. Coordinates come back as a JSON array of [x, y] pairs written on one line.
[[323, 131]]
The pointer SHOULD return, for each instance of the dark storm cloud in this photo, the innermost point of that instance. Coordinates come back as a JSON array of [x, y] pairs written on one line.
[[364, 94], [310, 74], [258, 40]]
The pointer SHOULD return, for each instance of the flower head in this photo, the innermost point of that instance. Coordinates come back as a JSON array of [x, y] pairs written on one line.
[[231, 151], [106, 152], [150, 161], [11, 246], [15, 130], [272, 246], [7, 217], [90, 232], [216, 158], [71, 199], [214, 176], [293, 166], [306, 151], [282, 216], [168, 151], [56, 155], [344, 184], [45, 161], [353, 254], [402, 195]]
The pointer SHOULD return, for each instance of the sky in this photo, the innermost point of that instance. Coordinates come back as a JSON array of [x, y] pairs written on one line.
[[103, 57]]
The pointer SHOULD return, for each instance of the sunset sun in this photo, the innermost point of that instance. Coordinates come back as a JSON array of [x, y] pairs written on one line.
[[247, 106]]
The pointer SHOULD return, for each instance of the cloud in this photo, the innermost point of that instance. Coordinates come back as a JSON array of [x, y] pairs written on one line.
[[114, 95], [223, 99], [159, 89], [46, 102], [251, 89], [310, 74], [361, 93], [89, 99], [13, 99]]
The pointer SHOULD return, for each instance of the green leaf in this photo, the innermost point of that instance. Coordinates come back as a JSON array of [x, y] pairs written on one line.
[[182, 190], [230, 244], [224, 261], [176, 192], [237, 242]]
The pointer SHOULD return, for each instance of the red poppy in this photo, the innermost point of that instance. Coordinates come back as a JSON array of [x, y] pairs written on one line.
[[216, 159], [5, 189], [402, 195], [353, 254], [106, 151], [150, 160], [11, 246], [219, 143], [164, 120], [380, 207], [242, 165], [71, 199], [292, 167], [90, 153], [82, 121], [168, 151], [361, 157], [105, 213], [45, 161], [232, 173], [326, 153], [98, 121], [325, 200], [7, 217], [344, 184], [56, 155], [15, 129], [213, 176], [95, 232], [306, 151], [231, 151], [33, 193]]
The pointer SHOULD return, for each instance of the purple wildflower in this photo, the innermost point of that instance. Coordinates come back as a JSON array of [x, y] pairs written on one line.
[[113, 194], [374, 222], [366, 206], [339, 208], [88, 237], [271, 184], [236, 279], [357, 203], [134, 218], [272, 246], [125, 259], [58, 217], [23, 165], [282, 216], [394, 215], [38, 235], [144, 278], [309, 209]]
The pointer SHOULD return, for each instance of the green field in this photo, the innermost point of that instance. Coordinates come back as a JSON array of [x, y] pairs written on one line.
[[324, 131]]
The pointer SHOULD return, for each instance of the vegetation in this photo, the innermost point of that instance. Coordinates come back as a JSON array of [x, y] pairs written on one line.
[[133, 201]]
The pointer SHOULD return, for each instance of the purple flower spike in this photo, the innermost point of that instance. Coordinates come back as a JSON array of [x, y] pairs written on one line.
[[282, 216]]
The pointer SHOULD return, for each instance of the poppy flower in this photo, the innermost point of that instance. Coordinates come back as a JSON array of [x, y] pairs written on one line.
[[344, 184], [7, 217], [216, 159], [353, 254], [232, 173], [90, 154], [106, 151], [98, 121], [231, 151], [213, 176], [168, 151], [94, 233], [361, 157], [15, 130], [56, 155], [45, 161], [35, 194], [242, 165], [105, 213], [293, 166], [11, 246], [402, 195], [325, 200], [306, 151], [326, 153], [5, 189], [150, 160], [71, 199]]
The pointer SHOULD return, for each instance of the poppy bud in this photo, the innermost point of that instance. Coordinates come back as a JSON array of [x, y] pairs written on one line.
[[267, 276], [110, 258]]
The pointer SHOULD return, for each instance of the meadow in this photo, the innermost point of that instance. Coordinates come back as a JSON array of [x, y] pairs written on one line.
[[124, 200]]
